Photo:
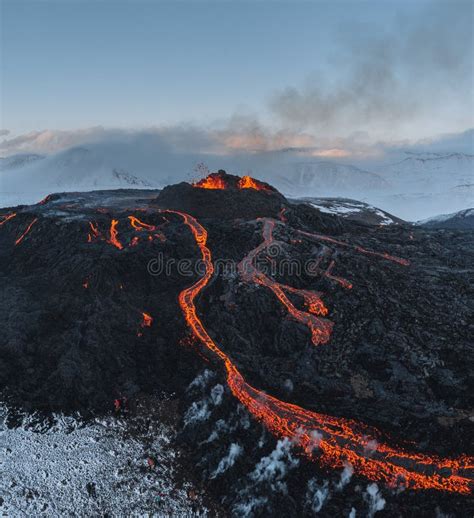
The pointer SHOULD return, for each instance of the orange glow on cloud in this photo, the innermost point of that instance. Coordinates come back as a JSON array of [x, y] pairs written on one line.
[[331, 153]]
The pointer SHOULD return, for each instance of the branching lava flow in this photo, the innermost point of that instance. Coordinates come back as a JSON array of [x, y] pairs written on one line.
[[332, 441]]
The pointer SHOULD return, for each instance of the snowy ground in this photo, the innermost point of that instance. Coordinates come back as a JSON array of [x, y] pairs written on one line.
[[351, 209], [66, 467], [347, 209]]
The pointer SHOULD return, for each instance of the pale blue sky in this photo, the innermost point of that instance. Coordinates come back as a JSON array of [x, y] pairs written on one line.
[[73, 64]]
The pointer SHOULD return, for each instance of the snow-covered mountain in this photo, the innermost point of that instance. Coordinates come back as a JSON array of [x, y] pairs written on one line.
[[28, 178], [425, 184], [352, 209], [415, 187], [418, 186], [19, 160], [462, 220], [325, 178], [435, 172]]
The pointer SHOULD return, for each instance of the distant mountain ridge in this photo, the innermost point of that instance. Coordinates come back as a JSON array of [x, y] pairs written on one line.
[[420, 185], [19, 160], [28, 178], [462, 220], [435, 171], [352, 210], [328, 178]]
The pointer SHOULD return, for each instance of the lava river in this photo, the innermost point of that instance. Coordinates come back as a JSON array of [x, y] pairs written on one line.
[[332, 441], [320, 328]]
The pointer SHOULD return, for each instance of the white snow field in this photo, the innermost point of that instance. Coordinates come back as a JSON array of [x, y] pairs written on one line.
[[70, 468]]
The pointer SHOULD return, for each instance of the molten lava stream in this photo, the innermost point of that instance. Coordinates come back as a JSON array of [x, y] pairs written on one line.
[[139, 225], [7, 217], [383, 255], [113, 235], [45, 200], [343, 282], [28, 228], [94, 233], [320, 328], [332, 441]]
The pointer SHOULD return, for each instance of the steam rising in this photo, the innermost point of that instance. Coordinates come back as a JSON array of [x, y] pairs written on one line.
[[346, 476], [228, 461], [268, 477], [201, 410], [375, 499], [317, 494]]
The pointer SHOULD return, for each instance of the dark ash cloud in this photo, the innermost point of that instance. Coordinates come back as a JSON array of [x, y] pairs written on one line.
[[403, 73]]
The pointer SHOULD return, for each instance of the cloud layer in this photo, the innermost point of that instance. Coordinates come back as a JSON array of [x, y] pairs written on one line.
[[239, 137]]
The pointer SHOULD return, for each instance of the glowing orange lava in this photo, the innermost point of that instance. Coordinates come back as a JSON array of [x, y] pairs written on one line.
[[7, 217], [247, 182], [332, 441], [147, 320], [113, 240], [45, 200], [384, 255], [212, 181], [340, 280], [94, 233], [320, 328], [139, 225], [28, 228]]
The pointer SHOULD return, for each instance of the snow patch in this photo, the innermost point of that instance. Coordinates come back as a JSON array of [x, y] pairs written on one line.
[[64, 466]]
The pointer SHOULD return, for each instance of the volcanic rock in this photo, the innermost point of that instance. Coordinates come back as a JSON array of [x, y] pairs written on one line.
[[79, 272]]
